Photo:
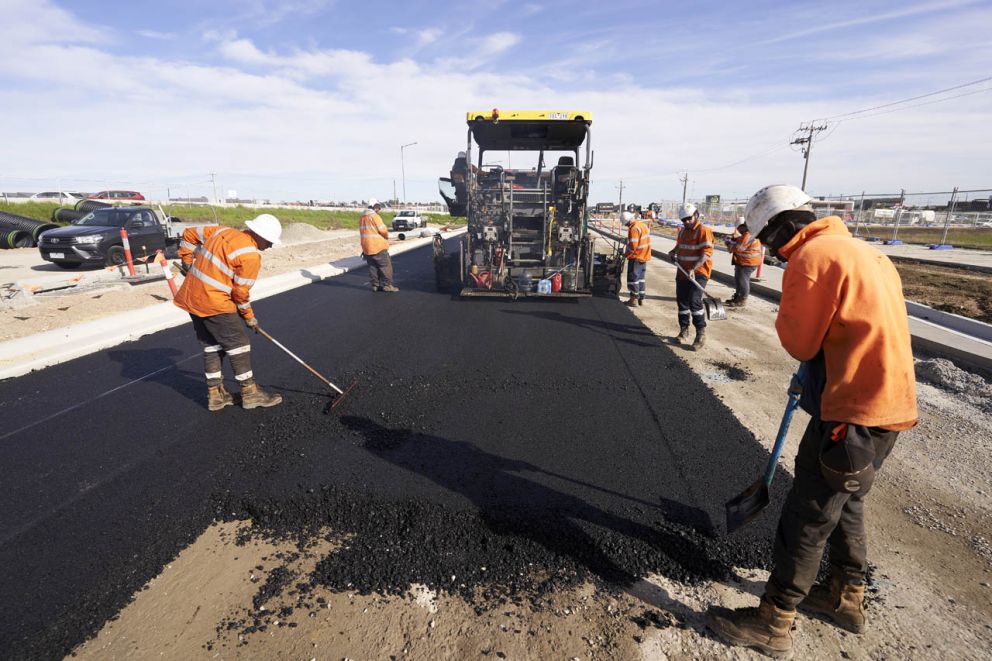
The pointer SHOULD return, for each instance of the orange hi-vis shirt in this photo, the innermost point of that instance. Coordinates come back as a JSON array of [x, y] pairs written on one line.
[[694, 245], [844, 297], [638, 242], [373, 233], [746, 251], [224, 264]]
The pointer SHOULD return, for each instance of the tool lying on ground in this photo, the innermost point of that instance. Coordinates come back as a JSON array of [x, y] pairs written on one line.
[[335, 399], [714, 306], [748, 504]]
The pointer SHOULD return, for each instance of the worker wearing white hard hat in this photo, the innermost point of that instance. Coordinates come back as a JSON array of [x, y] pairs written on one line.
[[693, 253], [221, 264], [374, 236], [638, 255], [843, 314]]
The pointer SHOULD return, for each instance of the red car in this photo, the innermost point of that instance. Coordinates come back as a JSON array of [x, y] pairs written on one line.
[[116, 195]]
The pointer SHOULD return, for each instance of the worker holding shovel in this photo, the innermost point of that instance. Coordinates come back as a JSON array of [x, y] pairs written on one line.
[[693, 254], [843, 314], [221, 265], [638, 255]]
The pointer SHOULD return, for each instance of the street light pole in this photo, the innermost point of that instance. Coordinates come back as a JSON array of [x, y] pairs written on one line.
[[403, 167]]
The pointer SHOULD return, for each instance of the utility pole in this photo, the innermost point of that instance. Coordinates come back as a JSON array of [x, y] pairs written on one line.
[[806, 143], [403, 167], [213, 182], [621, 196], [394, 191], [685, 185]]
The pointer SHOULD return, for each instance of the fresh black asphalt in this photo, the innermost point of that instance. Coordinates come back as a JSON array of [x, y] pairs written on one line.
[[505, 446]]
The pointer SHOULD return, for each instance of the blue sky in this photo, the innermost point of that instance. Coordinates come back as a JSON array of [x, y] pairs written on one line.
[[312, 98]]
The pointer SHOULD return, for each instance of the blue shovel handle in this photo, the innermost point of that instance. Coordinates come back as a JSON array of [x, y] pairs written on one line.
[[783, 428]]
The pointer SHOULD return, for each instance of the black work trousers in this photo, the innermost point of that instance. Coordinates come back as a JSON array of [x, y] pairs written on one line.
[[380, 269], [220, 335], [690, 301], [815, 515]]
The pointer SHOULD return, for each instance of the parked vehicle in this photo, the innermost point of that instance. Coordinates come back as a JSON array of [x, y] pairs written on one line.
[[118, 195], [95, 238], [408, 220], [61, 197]]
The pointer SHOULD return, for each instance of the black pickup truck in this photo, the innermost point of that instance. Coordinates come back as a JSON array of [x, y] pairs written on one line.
[[96, 237]]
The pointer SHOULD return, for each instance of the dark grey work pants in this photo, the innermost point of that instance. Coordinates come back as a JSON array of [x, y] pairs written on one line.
[[742, 280], [220, 335], [815, 515], [380, 269]]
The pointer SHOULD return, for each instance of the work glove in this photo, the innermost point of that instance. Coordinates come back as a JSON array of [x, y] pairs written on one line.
[[795, 385], [252, 323]]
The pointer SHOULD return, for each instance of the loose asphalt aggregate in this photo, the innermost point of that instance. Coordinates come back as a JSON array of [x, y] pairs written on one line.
[[491, 449]]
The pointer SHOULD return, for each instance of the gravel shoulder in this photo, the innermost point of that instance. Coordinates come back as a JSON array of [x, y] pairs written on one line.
[[232, 593]]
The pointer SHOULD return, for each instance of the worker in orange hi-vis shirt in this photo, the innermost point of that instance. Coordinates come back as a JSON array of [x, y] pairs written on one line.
[[745, 251], [375, 248], [844, 315], [221, 264]]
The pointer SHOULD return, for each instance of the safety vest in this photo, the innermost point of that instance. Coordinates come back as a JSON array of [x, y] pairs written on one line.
[[638, 242], [746, 251], [694, 245], [373, 233], [223, 265]]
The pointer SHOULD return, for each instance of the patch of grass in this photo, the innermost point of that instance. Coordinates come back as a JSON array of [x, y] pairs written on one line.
[[977, 238], [235, 216]]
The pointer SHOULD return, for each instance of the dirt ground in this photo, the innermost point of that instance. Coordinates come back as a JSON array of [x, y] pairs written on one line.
[[104, 294], [958, 290], [928, 520]]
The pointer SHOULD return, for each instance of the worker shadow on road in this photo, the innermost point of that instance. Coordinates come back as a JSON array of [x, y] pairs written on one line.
[[162, 366], [608, 328], [515, 499]]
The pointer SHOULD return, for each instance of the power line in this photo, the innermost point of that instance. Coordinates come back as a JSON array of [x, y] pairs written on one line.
[[912, 98], [915, 105]]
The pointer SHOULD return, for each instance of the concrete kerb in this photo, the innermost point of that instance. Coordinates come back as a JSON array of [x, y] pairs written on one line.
[[935, 333], [26, 354]]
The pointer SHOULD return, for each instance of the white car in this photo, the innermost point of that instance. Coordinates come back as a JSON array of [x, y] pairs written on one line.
[[408, 220], [60, 197]]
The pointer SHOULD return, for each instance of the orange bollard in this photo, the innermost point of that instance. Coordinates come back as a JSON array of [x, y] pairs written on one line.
[[127, 252], [757, 274], [169, 275]]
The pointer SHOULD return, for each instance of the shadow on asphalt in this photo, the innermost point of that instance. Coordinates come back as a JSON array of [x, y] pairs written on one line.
[[560, 522], [138, 363], [595, 325]]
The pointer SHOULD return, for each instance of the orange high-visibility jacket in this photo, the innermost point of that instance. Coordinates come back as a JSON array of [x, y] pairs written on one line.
[[224, 265], [746, 251], [693, 246], [373, 233], [638, 242], [843, 297]]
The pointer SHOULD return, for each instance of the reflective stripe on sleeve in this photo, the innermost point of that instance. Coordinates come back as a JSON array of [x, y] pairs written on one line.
[[244, 281], [241, 251], [217, 261], [244, 306]]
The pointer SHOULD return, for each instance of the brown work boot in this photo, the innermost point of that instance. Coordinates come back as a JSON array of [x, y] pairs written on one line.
[[766, 628], [218, 398], [682, 337], [700, 339], [736, 303], [632, 303], [252, 396], [842, 602], [640, 301], [390, 288]]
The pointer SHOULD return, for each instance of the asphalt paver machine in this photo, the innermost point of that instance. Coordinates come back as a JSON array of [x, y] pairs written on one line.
[[527, 226]]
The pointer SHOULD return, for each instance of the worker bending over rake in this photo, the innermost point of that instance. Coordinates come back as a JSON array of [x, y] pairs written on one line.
[[843, 313], [221, 264]]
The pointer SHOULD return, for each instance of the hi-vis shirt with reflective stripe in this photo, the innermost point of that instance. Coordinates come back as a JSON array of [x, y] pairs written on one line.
[[373, 233], [694, 247], [224, 265], [639, 242], [745, 250]]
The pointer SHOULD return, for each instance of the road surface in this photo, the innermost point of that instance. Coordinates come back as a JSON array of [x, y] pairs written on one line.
[[560, 436]]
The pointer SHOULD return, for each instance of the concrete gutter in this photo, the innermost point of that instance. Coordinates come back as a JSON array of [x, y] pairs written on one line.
[[967, 342], [35, 352]]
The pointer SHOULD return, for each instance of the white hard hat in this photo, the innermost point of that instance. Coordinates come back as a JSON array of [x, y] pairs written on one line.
[[626, 216], [687, 210], [769, 202], [266, 226], [373, 202]]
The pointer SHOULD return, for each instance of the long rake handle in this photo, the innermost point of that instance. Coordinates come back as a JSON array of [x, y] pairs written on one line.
[[783, 427], [692, 280], [297, 359]]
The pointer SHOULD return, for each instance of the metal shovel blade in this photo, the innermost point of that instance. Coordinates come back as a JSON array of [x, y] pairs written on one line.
[[745, 506], [714, 309]]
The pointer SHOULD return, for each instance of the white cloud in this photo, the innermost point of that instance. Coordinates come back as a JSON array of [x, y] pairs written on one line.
[[428, 36], [152, 34], [497, 43]]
